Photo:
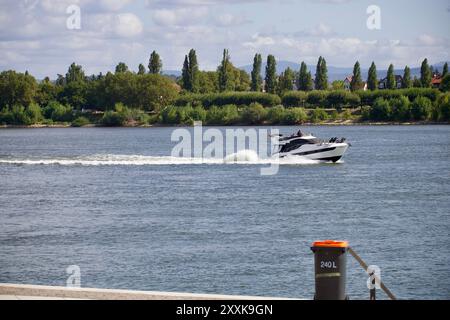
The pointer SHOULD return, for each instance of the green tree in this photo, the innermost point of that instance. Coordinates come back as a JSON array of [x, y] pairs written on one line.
[[33, 112], [58, 112], [406, 81], [226, 73], [193, 70], [321, 80], [185, 77], [390, 81], [271, 74], [190, 72], [318, 115], [401, 109], [417, 83], [275, 115], [372, 78], [242, 80], [16, 88], [154, 63], [381, 110], [256, 73], [445, 69], [425, 74], [337, 85], [443, 106], [421, 108], [356, 83], [208, 82], [254, 114], [74, 94], [46, 92], [75, 73], [295, 116], [445, 83], [141, 70], [121, 67], [286, 81], [304, 79]]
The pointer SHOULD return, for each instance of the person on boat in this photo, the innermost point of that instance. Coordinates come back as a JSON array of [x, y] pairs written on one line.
[[300, 133]]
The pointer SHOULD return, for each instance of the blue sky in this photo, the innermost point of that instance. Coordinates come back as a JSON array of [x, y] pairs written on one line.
[[34, 36]]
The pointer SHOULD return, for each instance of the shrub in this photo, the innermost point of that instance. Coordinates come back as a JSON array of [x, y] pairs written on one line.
[[346, 115], [421, 108], [340, 98], [381, 110], [198, 114], [225, 98], [254, 114], [225, 115], [6, 116], [80, 122], [365, 113], [369, 97], [169, 115], [316, 98], [443, 107], [58, 112], [318, 115], [445, 84], [294, 99], [295, 116], [34, 114], [113, 119], [400, 108], [275, 115]]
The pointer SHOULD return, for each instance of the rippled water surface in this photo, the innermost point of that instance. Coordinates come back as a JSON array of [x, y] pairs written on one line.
[[113, 202]]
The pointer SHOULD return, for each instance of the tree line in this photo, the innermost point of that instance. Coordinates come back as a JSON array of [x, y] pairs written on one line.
[[141, 97]]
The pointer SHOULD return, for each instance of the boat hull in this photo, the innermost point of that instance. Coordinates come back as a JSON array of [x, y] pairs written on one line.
[[327, 152]]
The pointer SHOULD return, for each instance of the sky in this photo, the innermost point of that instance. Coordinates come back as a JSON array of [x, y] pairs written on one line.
[[43, 37]]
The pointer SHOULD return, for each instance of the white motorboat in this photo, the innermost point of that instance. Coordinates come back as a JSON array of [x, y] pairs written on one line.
[[308, 146]]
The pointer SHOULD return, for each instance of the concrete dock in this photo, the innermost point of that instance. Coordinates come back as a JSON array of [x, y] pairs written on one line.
[[10, 291]]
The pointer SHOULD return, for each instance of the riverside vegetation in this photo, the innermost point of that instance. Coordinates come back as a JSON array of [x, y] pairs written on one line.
[[227, 96]]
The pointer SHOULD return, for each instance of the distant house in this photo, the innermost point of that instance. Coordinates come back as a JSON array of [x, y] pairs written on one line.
[[382, 84], [436, 80], [348, 81]]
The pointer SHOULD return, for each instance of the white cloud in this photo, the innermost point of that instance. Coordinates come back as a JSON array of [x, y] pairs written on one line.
[[128, 25], [320, 30], [185, 3], [179, 17], [230, 20]]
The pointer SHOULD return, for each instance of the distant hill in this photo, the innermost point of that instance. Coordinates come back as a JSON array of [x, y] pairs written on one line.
[[339, 73], [334, 73]]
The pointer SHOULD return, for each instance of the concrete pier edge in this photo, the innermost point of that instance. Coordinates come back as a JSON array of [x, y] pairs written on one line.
[[24, 291]]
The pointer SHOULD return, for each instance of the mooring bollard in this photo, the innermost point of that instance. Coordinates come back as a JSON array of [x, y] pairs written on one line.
[[330, 260]]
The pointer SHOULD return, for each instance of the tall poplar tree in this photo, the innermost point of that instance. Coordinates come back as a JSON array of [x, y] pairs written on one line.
[[286, 81], [304, 78], [406, 81], [445, 70], [141, 70], [425, 74], [193, 71], [271, 74], [356, 83], [190, 72], [372, 78], [321, 80], [256, 73], [225, 73], [390, 81], [155, 63]]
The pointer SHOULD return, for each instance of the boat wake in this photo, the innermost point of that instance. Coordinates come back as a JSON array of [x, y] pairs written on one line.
[[244, 157]]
